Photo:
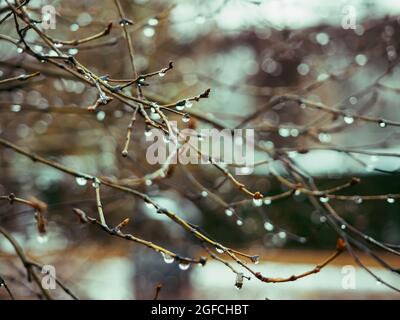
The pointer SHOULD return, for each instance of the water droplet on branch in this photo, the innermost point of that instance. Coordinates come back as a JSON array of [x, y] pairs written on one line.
[[184, 265], [229, 212], [167, 258], [185, 118], [81, 181], [348, 119]]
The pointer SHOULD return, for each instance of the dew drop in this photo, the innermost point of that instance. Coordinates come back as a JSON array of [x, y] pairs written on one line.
[[100, 116], [358, 200], [257, 202], [20, 50], [188, 104], [229, 211], [72, 51], [152, 22], [149, 32], [149, 205], [267, 201], [390, 200], [268, 226], [184, 266], [81, 181], [282, 234], [255, 259], [204, 194], [324, 199], [161, 74], [185, 118], [148, 133], [219, 250], [343, 226], [239, 222], [167, 258], [348, 119], [16, 108], [382, 124], [148, 182]]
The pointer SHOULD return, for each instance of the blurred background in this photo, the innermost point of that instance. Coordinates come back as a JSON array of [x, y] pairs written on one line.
[[247, 52]]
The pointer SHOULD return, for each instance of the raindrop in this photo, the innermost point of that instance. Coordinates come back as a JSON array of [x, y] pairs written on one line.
[[324, 137], [382, 124], [284, 132], [96, 183], [188, 104], [343, 226], [361, 59], [152, 22], [81, 181], [185, 118], [149, 32], [204, 194], [353, 100], [167, 258], [20, 50], [390, 200], [322, 38], [74, 27], [148, 133], [184, 266], [72, 51], [294, 132], [100, 115], [149, 205], [303, 69], [324, 199], [348, 119], [229, 211], [257, 202], [282, 234], [148, 182], [180, 105], [219, 250], [358, 200], [15, 108], [255, 259], [239, 222], [268, 226], [267, 201], [161, 74]]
